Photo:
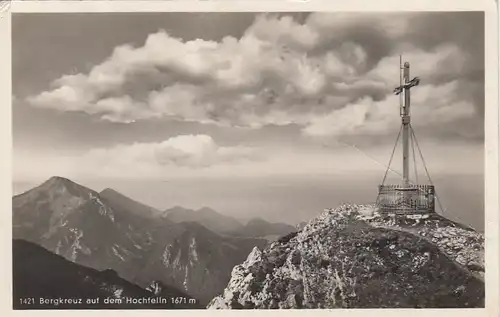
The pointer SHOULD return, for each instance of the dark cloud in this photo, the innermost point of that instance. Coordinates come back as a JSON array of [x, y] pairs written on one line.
[[466, 29], [277, 71]]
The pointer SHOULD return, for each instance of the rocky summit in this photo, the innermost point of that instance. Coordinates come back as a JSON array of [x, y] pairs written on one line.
[[354, 257]]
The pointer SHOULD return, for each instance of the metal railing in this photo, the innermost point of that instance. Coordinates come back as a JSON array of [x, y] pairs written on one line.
[[409, 199]]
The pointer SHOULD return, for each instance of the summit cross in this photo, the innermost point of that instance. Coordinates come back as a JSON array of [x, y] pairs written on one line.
[[405, 85]]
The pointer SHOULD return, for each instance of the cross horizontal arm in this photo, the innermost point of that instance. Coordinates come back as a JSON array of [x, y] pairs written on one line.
[[412, 83], [398, 90]]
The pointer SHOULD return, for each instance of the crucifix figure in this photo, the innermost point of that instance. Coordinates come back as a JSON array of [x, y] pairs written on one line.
[[405, 85], [414, 82]]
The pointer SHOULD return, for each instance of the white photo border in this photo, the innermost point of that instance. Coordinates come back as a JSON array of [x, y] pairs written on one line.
[[491, 131]]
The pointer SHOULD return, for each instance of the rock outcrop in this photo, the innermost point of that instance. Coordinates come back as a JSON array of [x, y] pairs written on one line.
[[351, 258]]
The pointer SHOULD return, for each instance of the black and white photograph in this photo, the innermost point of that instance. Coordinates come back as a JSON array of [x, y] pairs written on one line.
[[248, 160]]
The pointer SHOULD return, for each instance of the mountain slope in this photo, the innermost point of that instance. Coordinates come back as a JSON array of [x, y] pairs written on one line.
[[199, 261], [83, 227], [43, 208], [343, 259], [205, 216], [38, 273], [122, 202]]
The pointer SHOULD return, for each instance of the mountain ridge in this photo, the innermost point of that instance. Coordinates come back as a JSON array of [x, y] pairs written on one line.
[[97, 232], [129, 204], [258, 227], [206, 216]]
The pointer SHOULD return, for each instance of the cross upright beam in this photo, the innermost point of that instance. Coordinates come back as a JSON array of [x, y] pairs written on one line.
[[405, 87]]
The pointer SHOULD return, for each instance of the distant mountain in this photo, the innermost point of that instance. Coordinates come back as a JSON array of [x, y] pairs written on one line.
[[120, 201], [205, 216], [180, 214], [211, 219], [42, 208], [40, 274], [260, 228], [104, 232], [77, 223]]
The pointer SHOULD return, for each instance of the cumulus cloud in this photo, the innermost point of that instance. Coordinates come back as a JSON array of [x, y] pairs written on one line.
[[197, 158], [433, 105], [185, 151], [332, 74], [199, 151]]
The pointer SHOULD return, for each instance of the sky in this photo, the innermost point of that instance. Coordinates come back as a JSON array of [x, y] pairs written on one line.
[[271, 115]]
